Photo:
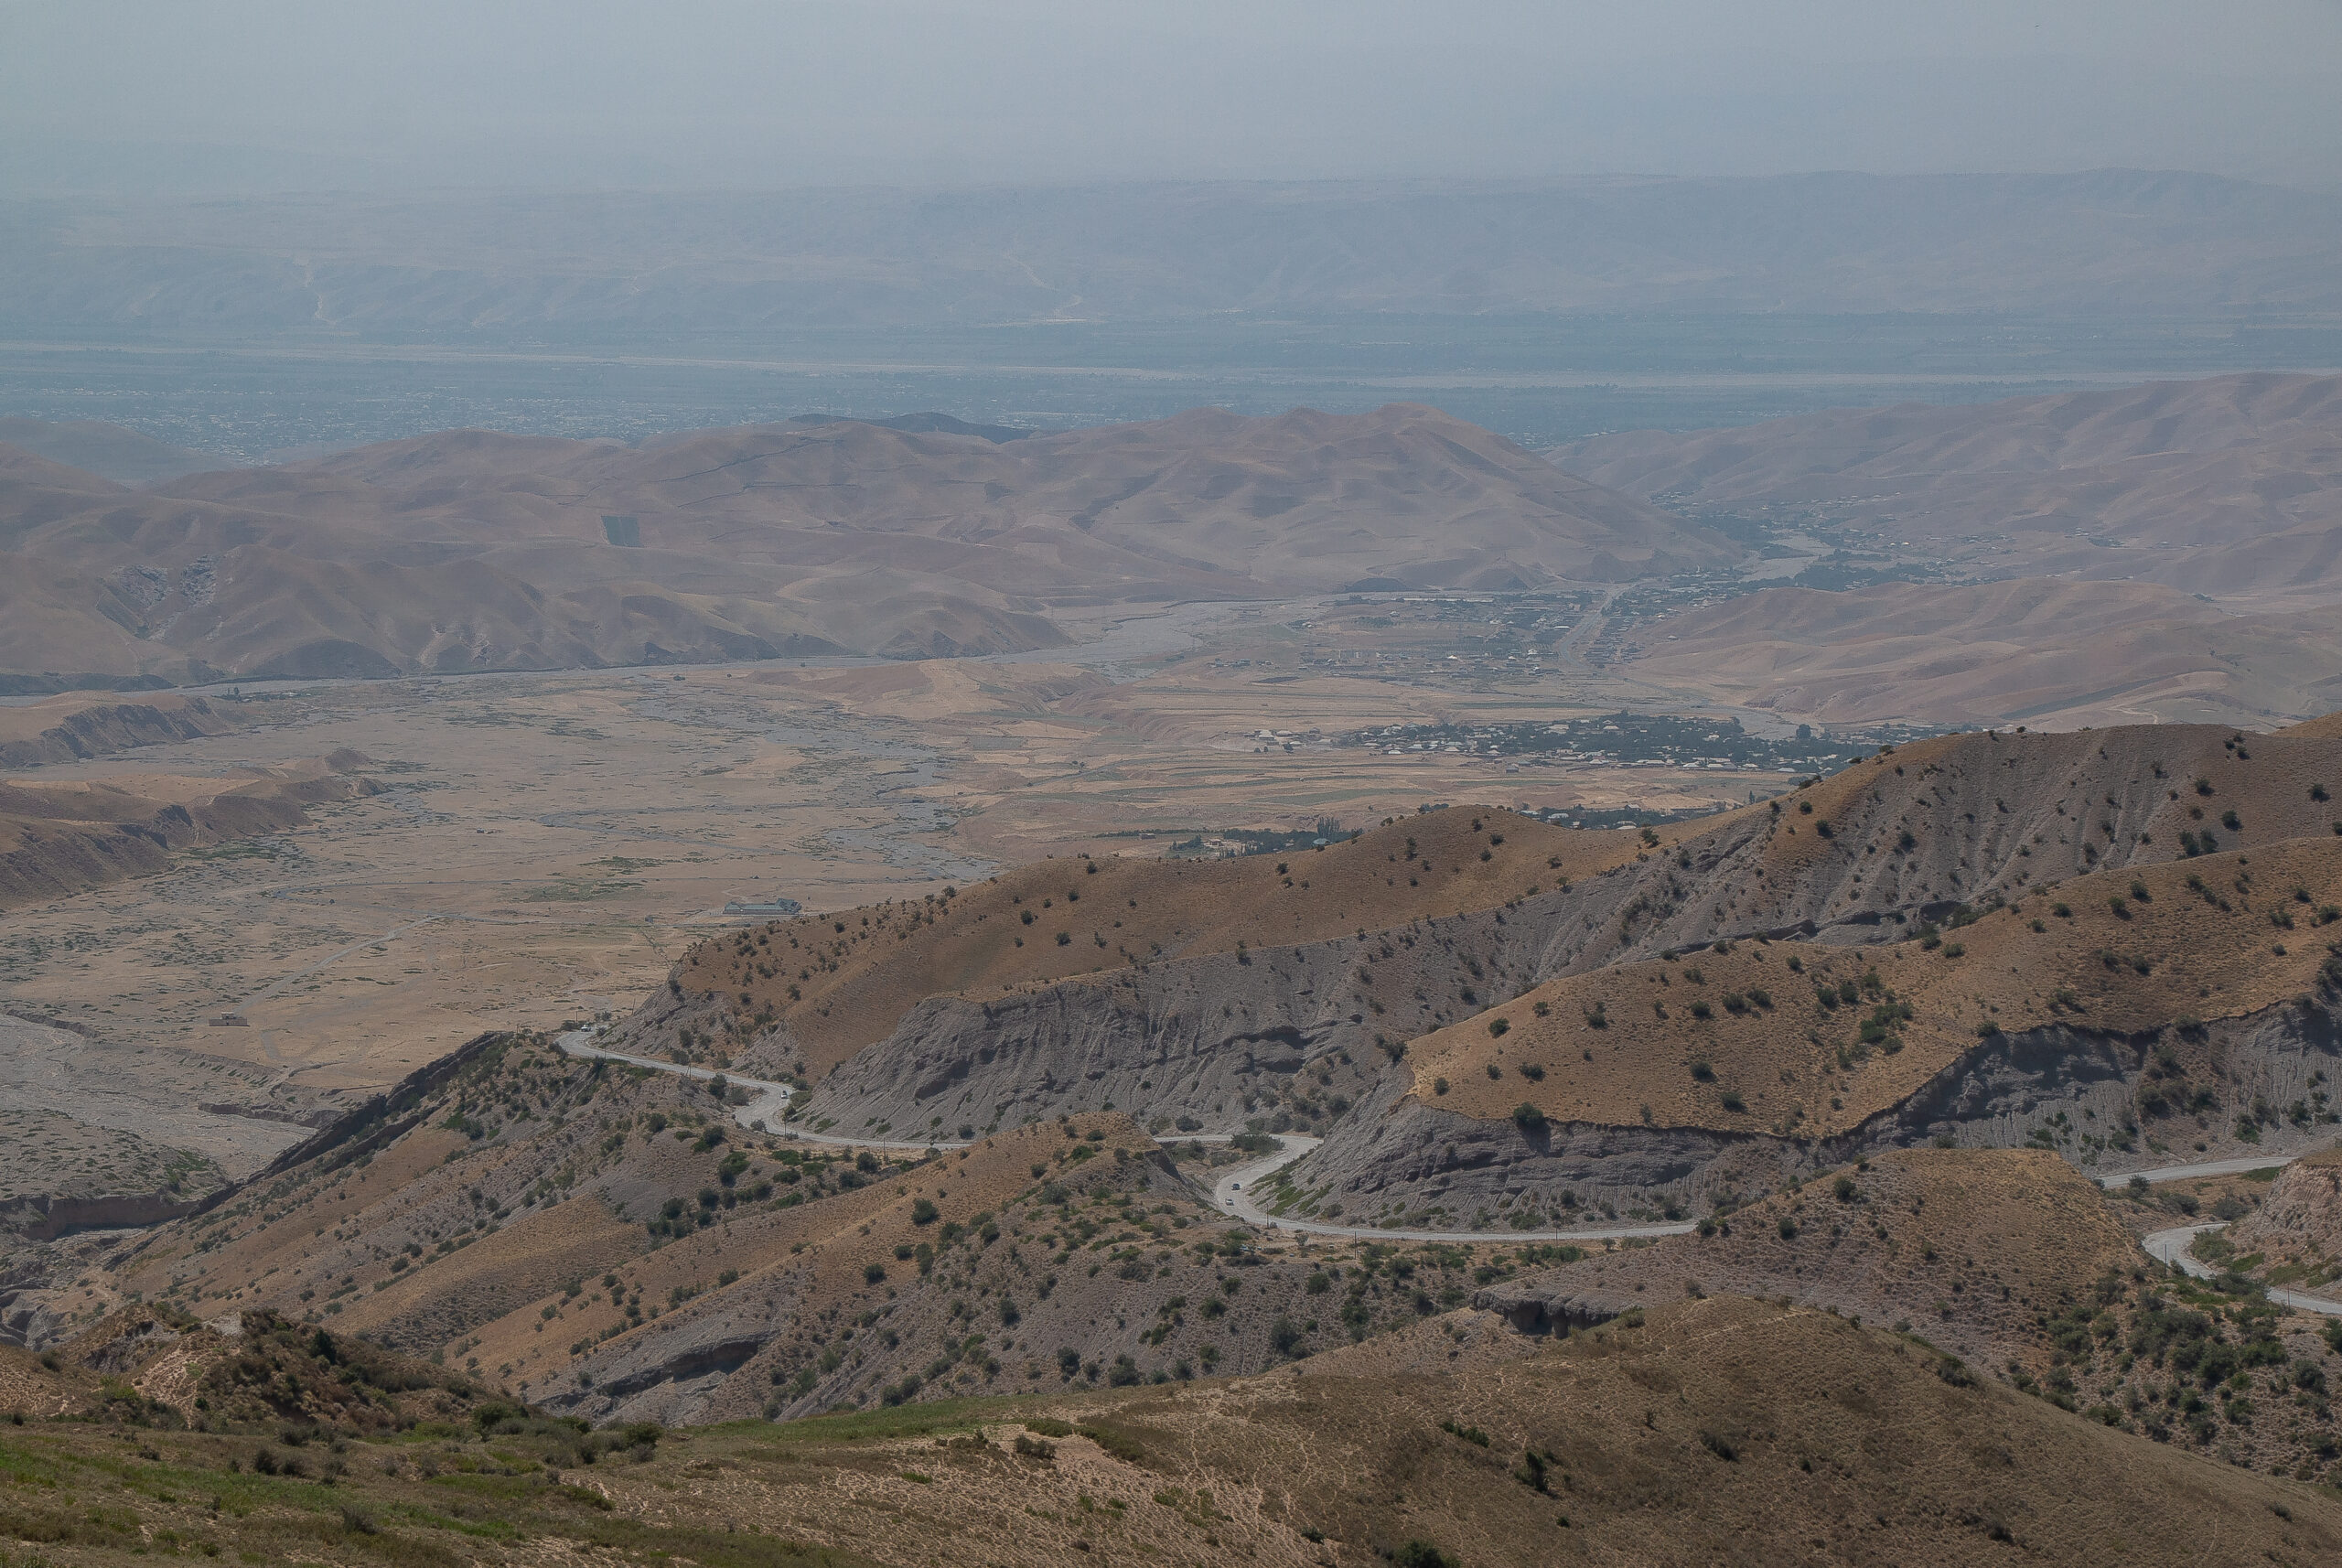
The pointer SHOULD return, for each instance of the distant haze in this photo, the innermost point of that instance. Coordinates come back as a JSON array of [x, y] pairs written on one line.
[[190, 96]]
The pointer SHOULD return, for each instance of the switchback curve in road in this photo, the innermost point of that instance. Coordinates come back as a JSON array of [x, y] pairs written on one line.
[[2171, 1247], [768, 1100], [1232, 1194]]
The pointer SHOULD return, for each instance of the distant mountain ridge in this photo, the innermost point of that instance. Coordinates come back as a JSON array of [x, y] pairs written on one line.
[[462, 266], [111, 451], [2169, 549], [473, 550]]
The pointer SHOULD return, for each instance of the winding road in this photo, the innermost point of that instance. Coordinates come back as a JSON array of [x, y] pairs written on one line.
[[2171, 1247], [767, 1102], [1234, 1192]]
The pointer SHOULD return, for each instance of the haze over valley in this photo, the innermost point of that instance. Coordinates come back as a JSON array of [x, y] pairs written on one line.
[[1316, 789]]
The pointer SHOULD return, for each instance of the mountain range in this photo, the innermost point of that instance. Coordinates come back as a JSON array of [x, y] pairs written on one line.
[[473, 550], [2227, 486], [622, 264]]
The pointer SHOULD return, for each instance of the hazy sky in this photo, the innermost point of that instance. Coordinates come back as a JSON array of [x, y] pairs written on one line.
[[164, 94]]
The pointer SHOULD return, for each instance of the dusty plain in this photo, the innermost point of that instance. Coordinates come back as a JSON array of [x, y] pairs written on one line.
[[543, 846]]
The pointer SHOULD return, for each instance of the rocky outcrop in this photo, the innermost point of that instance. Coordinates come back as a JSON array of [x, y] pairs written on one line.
[[104, 727], [2302, 1216]]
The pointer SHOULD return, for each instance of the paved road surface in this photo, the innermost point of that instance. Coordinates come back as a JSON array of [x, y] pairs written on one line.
[[768, 1100], [2203, 1168], [2171, 1247], [1233, 1193]]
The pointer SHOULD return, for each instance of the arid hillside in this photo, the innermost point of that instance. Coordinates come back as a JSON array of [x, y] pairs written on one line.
[[1971, 1245], [1754, 1043], [2231, 486], [842, 981], [2111, 943], [2295, 1234], [1762, 1432], [610, 1243], [472, 549], [2020, 650], [58, 839]]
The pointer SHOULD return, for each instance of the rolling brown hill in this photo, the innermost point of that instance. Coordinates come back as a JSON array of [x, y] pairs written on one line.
[[2231, 486], [475, 550], [2156, 553], [2020, 650], [839, 990]]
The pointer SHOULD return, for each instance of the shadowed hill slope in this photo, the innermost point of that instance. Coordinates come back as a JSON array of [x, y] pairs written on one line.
[[842, 980]]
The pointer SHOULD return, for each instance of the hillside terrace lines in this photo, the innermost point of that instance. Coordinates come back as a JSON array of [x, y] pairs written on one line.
[[1680, 1040]]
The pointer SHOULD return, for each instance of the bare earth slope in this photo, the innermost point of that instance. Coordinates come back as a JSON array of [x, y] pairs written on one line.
[[2014, 651], [473, 550], [2230, 486]]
